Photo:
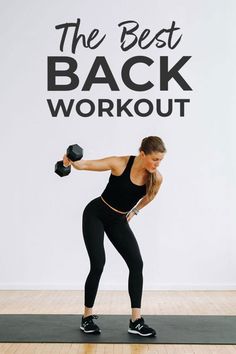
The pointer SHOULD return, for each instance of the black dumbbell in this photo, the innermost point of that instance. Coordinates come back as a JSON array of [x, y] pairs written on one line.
[[74, 153]]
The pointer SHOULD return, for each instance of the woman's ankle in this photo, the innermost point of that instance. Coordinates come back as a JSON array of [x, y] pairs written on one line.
[[136, 314], [88, 311]]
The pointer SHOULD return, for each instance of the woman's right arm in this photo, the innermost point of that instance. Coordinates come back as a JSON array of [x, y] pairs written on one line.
[[107, 163]]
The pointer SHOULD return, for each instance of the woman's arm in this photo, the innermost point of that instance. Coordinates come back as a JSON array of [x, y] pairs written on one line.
[[108, 163], [146, 199]]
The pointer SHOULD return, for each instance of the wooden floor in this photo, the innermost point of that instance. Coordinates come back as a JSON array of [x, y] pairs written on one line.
[[117, 302]]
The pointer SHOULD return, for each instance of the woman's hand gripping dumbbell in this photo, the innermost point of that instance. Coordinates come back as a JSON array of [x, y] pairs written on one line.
[[73, 153]]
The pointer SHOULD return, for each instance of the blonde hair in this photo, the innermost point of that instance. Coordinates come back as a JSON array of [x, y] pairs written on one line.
[[152, 144]]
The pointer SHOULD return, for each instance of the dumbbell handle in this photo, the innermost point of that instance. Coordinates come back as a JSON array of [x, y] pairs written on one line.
[[63, 161]]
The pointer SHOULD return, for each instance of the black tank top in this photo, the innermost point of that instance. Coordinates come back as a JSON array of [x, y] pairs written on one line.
[[120, 193]]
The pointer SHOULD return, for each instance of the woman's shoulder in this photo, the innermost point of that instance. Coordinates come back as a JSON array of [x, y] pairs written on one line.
[[124, 158], [120, 164], [121, 159]]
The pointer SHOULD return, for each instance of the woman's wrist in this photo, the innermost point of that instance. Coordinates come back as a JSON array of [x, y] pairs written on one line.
[[135, 211], [76, 165]]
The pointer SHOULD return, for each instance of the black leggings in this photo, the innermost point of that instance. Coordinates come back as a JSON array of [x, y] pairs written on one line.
[[97, 218]]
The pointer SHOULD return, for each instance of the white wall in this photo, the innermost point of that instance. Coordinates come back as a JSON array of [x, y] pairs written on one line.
[[187, 234]]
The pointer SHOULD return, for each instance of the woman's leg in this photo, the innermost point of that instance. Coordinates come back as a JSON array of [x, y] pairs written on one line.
[[93, 233], [124, 241], [122, 237]]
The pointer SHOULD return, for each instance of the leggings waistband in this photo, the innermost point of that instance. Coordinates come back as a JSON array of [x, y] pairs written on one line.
[[118, 211]]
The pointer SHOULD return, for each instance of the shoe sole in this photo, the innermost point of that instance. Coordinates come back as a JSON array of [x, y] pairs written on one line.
[[132, 331], [91, 331]]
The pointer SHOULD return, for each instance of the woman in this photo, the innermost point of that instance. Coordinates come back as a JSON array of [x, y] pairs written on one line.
[[133, 183]]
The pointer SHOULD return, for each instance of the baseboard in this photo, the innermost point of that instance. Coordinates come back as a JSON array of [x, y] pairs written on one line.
[[118, 287]]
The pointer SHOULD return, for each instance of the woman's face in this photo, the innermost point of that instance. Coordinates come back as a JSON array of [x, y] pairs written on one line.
[[152, 161]]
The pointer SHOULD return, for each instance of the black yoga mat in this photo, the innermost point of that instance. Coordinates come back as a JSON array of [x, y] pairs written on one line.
[[170, 329]]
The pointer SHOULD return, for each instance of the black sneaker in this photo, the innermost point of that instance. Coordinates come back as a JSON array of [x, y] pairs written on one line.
[[88, 326], [139, 327]]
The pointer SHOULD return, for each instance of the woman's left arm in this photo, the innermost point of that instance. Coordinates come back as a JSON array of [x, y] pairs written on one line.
[[146, 199]]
